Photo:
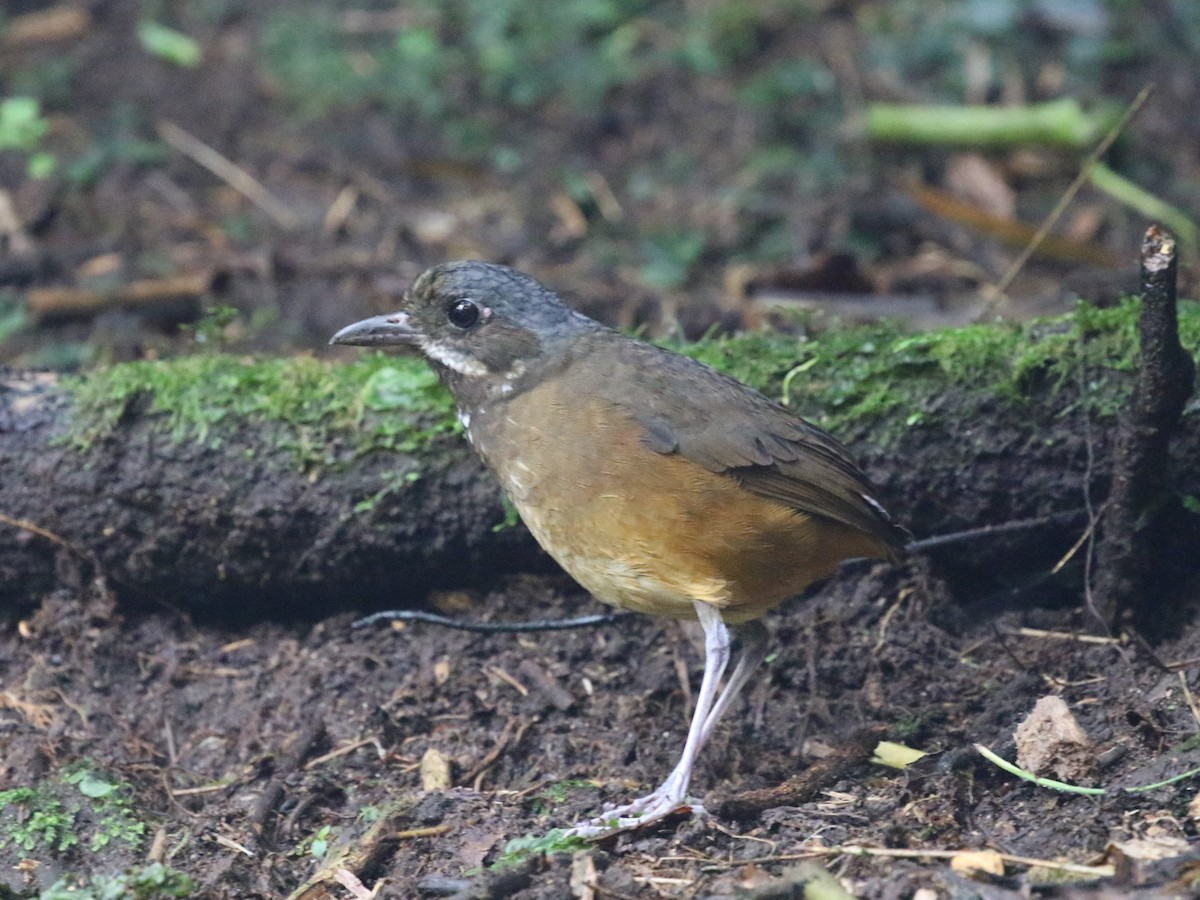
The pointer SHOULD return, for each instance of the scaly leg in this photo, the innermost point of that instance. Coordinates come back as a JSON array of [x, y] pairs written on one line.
[[755, 639], [671, 795]]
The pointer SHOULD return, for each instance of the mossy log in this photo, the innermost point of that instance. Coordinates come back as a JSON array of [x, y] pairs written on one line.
[[225, 487]]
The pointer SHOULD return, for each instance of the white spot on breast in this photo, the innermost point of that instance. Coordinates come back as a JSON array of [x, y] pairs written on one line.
[[506, 386]]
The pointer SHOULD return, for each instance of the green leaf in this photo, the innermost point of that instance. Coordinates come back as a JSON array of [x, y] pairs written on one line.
[[21, 123], [41, 165], [897, 756], [169, 45], [91, 785]]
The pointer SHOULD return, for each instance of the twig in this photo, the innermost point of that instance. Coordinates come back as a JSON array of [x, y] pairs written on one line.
[[803, 787], [357, 889], [1191, 700], [33, 528], [1146, 510], [1094, 516], [237, 178], [1011, 769], [51, 304], [417, 615], [202, 789], [985, 531], [907, 853], [510, 736], [1068, 636], [507, 679], [100, 581], [287, 763], [1093, 519], [1010, 231], [1085, 172], [1149, 206], [232, 844], [430, 831], [54, 25], [342, 751]]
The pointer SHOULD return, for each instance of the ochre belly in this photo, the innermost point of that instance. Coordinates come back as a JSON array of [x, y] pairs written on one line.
[[647, 531]]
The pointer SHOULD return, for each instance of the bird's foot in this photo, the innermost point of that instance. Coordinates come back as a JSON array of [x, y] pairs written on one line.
[[638, 814]]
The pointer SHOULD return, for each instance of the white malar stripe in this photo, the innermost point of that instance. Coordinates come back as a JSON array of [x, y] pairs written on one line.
[[452, 359]]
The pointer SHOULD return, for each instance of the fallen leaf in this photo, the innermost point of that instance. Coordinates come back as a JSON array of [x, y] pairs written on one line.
[[583, 876], [1149, 849], [350, 882], [435, 771], [897, 756], [976, 862], [970, 177], [441, 671]]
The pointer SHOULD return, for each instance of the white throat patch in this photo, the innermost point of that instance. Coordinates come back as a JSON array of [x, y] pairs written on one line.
[[452, 359]]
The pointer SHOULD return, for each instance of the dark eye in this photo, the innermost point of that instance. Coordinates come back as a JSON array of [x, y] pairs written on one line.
[[463, 313]]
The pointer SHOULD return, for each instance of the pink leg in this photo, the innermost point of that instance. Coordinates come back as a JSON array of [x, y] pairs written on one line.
[[754, 637], [711, 704]]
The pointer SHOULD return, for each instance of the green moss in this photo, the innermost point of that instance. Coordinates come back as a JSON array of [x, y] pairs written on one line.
[[325, 413], [554, 794], [153, 881], [876, 371], [80, 802], [33, 820], [304, 406], [556, 840]]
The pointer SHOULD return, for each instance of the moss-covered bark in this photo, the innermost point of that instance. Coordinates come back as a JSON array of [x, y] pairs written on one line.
[[214, 483]]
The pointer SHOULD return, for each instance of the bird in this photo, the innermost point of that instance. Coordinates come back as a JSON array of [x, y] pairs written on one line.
[[658, 483]]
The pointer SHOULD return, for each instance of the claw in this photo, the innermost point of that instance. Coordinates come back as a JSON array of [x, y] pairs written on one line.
[[671, 796], [636, 815]]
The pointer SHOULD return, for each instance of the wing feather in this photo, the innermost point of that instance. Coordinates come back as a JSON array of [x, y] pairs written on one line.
[[726, 427]]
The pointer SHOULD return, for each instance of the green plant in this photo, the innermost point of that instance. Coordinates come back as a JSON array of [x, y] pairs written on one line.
[[32, 819], [210, 329], [669, 257], [556, 840], [53, 817], [12, 314], [116, 141], [153, 881], [111, 807], [316, 844], [169, 45], [554, 794], [22, 128]]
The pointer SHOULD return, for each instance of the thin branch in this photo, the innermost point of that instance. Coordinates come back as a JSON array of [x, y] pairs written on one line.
[[1085, 173], [417, 615], [233, 175]]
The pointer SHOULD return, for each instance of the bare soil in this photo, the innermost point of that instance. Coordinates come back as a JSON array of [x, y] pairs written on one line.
[[242, 744]]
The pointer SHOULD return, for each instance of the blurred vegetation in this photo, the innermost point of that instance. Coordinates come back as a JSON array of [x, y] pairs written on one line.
[[22, 128], [711, 126], [452, 60]]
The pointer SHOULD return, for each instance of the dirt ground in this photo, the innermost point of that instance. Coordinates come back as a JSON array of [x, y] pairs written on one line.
[[242, 746], [255, 757]]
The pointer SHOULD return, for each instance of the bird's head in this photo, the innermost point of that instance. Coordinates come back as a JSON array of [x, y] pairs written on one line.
[[477, 323]]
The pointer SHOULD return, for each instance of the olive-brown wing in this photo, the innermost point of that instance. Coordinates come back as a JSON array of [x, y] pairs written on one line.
[[687, 408]]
